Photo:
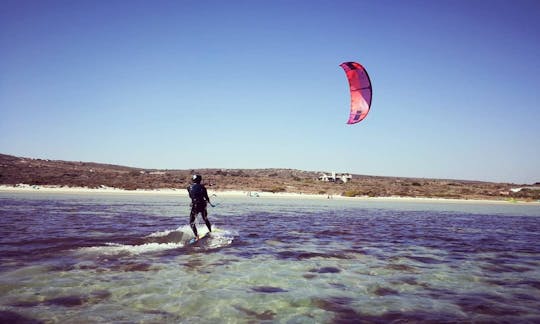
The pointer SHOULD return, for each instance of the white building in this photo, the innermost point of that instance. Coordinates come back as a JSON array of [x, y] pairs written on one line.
[[529, 187], [333, 177]]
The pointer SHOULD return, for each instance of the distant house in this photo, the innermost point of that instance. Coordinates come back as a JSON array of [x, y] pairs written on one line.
[[334, 177], [528, 187]]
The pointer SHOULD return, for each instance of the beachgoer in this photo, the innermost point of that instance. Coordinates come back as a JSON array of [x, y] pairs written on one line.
[[199, 199]]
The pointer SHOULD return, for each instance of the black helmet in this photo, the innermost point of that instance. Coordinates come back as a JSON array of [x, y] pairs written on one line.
[[196, 178]]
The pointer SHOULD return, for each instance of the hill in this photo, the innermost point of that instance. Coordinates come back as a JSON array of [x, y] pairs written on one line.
[[17, 170]]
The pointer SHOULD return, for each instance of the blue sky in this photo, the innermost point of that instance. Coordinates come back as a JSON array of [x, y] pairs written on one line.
[[257, 84]]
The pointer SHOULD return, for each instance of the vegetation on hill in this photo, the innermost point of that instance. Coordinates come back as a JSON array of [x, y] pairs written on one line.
[[16, 170]]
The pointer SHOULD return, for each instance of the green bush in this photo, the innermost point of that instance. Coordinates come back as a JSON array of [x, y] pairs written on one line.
[[275, 189], [527, 193], [352, 193]]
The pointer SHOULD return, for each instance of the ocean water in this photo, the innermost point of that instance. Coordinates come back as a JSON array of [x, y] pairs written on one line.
[[97, 258]]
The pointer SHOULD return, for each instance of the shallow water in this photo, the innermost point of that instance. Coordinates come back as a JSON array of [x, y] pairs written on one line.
[[124, 258]]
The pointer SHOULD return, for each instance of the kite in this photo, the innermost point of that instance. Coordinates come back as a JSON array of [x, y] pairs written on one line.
[[361, 92]]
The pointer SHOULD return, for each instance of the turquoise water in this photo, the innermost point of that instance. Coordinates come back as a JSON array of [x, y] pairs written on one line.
[[124, 258]]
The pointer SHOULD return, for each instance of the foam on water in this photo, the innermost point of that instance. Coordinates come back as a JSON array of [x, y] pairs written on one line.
[[165, 240], [116, 248]]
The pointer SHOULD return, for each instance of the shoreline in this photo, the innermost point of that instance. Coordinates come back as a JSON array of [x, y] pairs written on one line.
[[23, 188]]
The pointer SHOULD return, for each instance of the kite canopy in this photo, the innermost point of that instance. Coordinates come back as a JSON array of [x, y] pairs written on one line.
[[361, 92]]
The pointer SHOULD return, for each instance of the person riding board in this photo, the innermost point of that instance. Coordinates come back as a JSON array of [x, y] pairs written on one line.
[[199, 199]]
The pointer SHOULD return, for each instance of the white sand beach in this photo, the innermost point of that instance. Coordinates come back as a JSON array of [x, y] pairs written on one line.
[[238, 193]]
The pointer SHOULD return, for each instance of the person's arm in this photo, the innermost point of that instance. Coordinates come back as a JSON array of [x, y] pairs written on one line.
[[207, 198], [205, 192]]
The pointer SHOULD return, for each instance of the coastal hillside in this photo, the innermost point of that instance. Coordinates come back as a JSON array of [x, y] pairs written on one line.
[[17, 170]]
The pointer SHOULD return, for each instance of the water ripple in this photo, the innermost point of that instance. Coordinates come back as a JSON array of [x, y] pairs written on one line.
[[126, 259]]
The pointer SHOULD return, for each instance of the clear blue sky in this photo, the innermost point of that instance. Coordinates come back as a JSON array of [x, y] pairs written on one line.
[[257, 84]]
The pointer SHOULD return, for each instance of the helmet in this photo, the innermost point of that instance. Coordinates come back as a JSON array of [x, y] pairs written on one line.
[[196, 178]]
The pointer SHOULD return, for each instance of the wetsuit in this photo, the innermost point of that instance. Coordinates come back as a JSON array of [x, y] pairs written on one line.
[[199, 199]]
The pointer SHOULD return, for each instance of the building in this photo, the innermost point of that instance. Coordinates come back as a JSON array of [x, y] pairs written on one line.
[[335, 177]]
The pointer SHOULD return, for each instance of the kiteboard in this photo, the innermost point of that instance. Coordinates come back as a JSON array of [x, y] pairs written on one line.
[[194, 239]]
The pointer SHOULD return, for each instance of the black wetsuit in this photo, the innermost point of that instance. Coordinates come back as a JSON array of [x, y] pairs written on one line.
[[199, 199]]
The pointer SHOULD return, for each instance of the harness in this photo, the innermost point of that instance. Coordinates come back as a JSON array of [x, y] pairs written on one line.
[[197, 194]]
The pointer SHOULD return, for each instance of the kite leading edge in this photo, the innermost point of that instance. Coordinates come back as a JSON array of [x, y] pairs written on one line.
[[361, 91]]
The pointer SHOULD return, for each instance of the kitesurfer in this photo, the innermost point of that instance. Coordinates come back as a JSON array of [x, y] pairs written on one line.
[[199, 199]]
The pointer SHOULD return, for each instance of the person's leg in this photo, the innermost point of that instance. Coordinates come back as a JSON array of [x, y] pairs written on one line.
[[192, 221], [205, 217]]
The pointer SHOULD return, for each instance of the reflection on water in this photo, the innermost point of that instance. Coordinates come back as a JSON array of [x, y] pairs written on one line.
[[106, 258]]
